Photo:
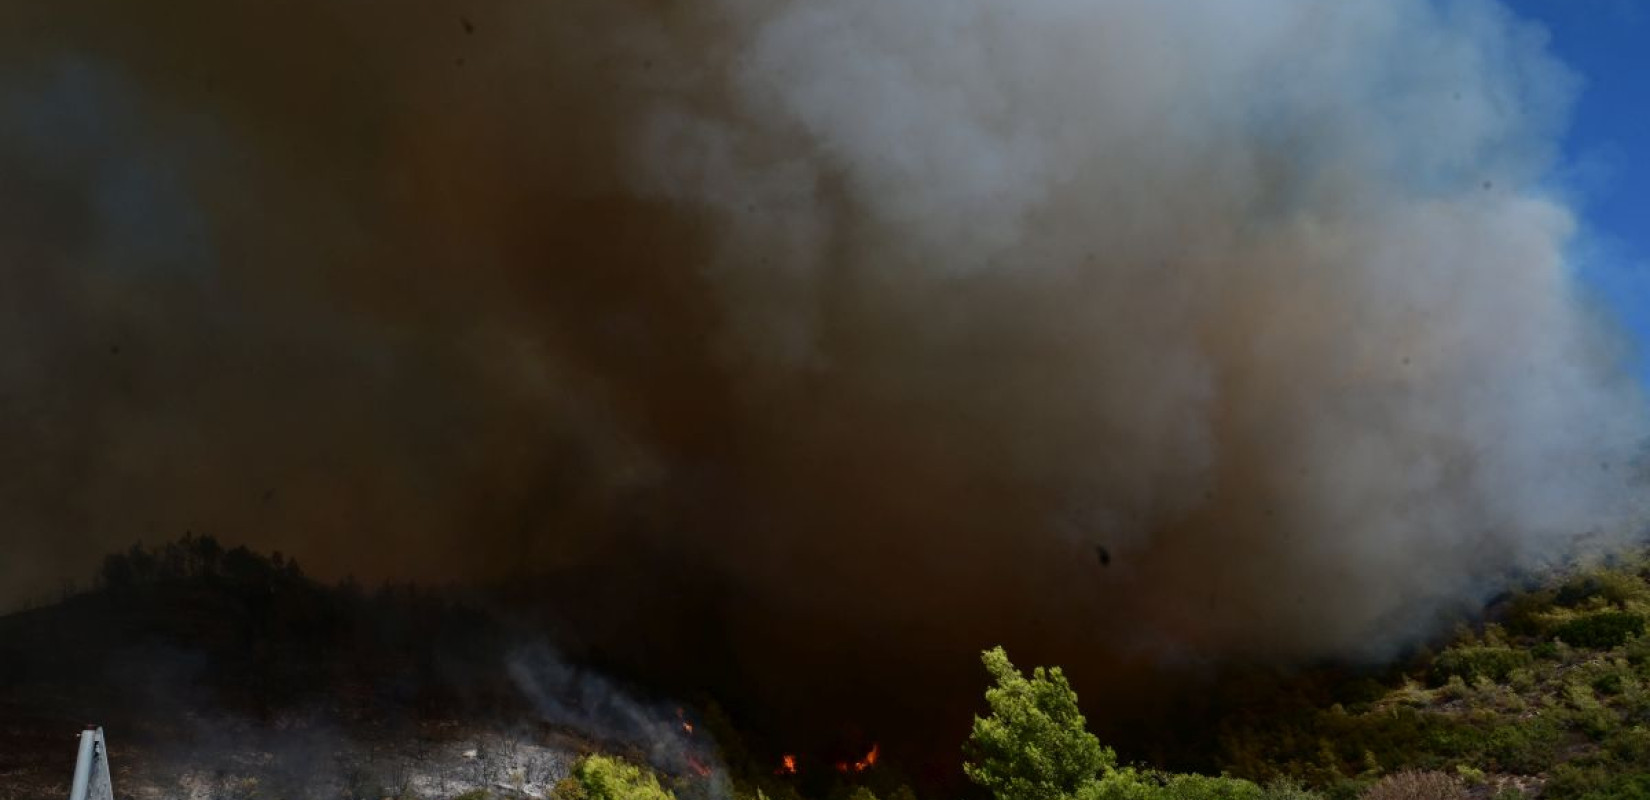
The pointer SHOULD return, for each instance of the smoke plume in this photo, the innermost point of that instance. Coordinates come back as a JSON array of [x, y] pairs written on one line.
[[835, 334]]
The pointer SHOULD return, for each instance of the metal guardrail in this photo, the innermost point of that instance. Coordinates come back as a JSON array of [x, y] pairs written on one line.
[[91, 771]]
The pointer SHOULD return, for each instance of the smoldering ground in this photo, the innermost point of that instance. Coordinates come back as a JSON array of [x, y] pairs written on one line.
[[831, 338]]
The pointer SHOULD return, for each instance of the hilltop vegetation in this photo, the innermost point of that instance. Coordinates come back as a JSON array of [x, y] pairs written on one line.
[[1549, 700]]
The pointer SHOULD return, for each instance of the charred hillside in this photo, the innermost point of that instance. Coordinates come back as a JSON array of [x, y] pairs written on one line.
[[207, 656], [192, 628]]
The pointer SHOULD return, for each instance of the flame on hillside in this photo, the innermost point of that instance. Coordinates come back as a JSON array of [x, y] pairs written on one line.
[[869, 761]]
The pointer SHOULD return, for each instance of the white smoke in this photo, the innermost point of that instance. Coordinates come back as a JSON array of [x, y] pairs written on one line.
[[1269, 296]]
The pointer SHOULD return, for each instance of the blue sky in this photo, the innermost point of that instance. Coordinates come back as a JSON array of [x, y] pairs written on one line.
[[1607, 150]]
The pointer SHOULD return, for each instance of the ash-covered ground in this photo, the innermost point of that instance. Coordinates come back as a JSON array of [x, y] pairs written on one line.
[[228, 674], [220, 759]]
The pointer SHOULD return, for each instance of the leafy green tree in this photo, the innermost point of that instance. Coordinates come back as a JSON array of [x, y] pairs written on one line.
[[1034, 745], [610, 778]]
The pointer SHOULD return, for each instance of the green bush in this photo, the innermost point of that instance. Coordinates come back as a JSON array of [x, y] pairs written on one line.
[[1570, 782], [611, 778], [1202, 787], [1638, 652], [1587, 713], [1629, 746], [1454, 689], [1620, 588], [1472, 663], [1124, 783], [1525, 612], [1525, 746], [1602, 630], [1131, 784], [1609, 683], [1287, 789]]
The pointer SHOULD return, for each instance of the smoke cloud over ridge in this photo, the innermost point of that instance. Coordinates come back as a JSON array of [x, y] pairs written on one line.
[[853, 327]]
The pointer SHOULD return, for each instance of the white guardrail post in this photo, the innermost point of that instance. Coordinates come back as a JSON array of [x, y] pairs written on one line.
[[91, 771]]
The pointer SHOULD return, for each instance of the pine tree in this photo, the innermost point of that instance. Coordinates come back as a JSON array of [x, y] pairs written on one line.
[[1034, 745]]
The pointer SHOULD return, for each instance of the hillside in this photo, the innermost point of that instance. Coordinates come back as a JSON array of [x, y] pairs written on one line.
[[229, 673], [1550, 698]]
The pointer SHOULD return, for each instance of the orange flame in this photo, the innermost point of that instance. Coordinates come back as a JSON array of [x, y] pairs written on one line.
[[787, 765], [698, 767], [869, 761], [686, 725]]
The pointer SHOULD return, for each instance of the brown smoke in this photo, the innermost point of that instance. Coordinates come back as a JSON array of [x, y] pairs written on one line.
[[873, 318]]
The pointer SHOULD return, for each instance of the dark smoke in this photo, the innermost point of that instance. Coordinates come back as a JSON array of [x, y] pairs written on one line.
[[835, 335]]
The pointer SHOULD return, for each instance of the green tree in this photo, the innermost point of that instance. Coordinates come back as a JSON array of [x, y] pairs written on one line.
[[1034, 745], [609, 778]]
